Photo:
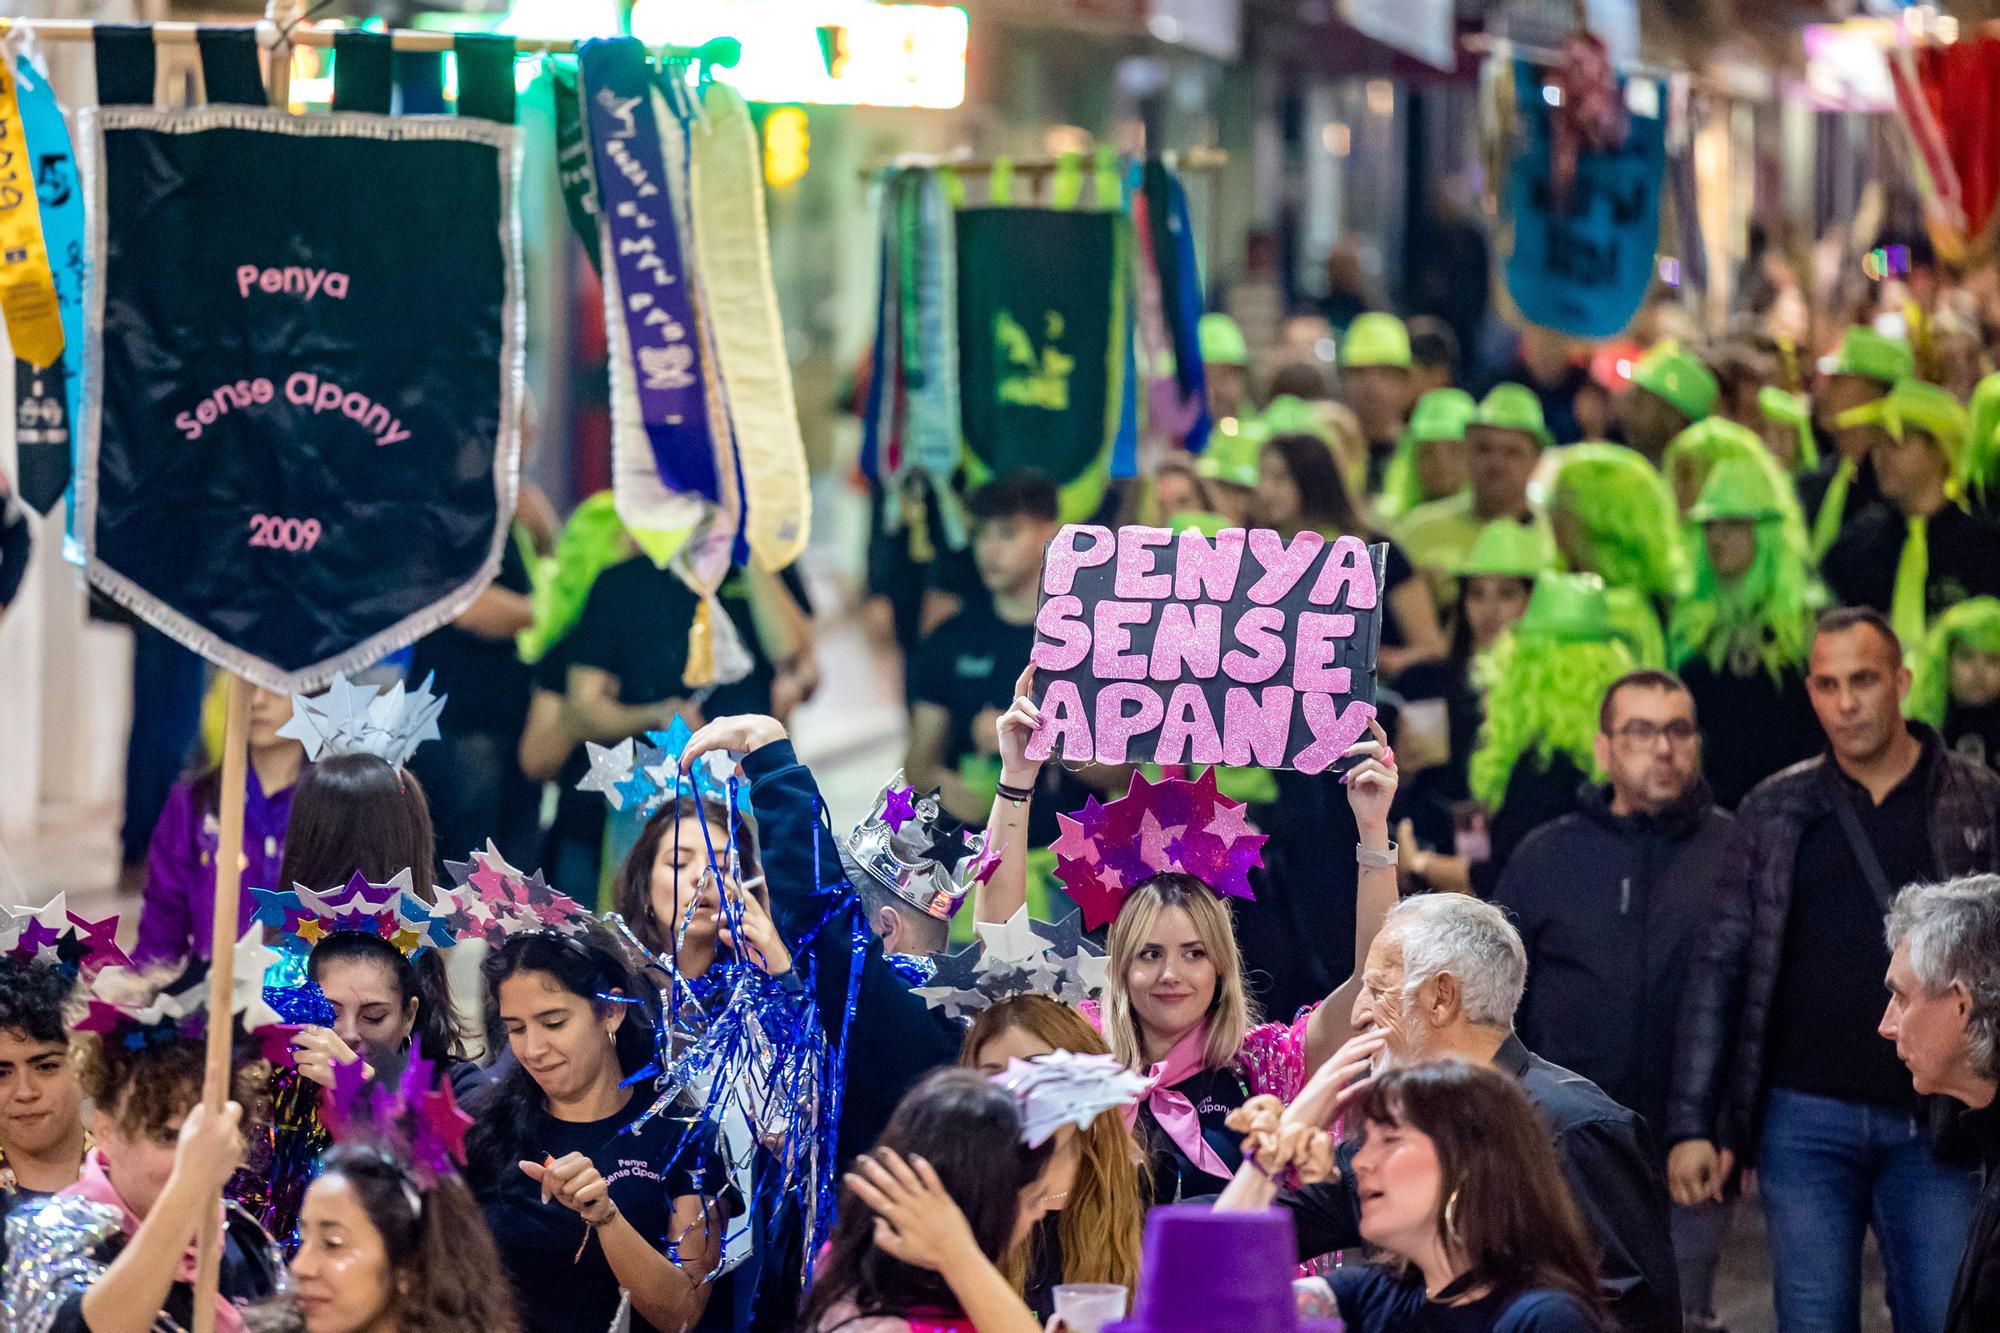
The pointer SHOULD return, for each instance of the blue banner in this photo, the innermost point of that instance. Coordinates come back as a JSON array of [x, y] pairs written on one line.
[[1581, 264], [45, 399]]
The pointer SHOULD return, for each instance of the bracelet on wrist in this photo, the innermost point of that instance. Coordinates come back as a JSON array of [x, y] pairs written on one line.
[[1008, 792], [1373, 860]]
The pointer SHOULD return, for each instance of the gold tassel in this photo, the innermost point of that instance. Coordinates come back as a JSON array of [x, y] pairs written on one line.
[[701, 650]]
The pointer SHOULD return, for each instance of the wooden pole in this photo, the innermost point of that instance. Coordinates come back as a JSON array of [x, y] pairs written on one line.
[[221, 969]]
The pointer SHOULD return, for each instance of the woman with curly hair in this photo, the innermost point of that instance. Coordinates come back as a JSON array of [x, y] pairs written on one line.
[[1094, 1235], [1739, 640], [1542, 681], [386, 1249], [1613, 516]]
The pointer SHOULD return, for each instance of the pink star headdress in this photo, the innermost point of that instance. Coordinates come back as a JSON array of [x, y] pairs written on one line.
[[1175, 824], [52, 934], [494, 900]]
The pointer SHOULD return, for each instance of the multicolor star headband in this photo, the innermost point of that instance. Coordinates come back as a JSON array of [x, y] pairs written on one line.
[[391, 912], [642, 776], [419, 1117], [1173, 825], [362, 719], [1066, 1088], [493, 900], [53, 935], [908, 845], [1020, 956], [124, 1008]]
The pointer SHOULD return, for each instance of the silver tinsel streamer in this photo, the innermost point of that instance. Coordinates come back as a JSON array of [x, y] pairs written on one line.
[[52, 1258]]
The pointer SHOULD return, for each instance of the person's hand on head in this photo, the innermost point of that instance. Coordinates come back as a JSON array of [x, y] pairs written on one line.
[[737, 735], [916, 1221], [1013, 730], [210, 1148], [1338, 1082]]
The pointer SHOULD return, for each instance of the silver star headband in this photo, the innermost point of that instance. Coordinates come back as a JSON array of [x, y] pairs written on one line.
[[1065, 1088], [363, 719]]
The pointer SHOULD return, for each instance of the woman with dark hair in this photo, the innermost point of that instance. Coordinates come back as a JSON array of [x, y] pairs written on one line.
[[585, 1203], [951, 1192], [385, 1249], [1299, 488], [1463, 1198], [180, 860], [357, 814], [668, 893]]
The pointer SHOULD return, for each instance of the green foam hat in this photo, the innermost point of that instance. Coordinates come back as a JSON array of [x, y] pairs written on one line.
[[1737, 488], [1514, 407], [1677, 376], [1921, 404], [1791, 409], [1221, 341], [1441, 414], [1231, 455], [1973, 623], [1197, 520], [1376, 339], [1505, 547], [1871, 355], [1567, 608], [1288, 414]]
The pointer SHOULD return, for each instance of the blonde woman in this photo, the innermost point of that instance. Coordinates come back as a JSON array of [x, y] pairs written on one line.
[[1094, 1233], [1175, 1006]]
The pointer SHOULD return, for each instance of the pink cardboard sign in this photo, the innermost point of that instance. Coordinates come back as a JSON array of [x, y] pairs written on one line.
[[1179, 648]]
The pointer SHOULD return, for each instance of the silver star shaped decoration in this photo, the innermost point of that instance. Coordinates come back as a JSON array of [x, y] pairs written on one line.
[[609, 766]]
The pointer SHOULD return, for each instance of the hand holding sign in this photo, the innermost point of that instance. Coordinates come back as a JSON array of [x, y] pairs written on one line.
[[1243, 649]]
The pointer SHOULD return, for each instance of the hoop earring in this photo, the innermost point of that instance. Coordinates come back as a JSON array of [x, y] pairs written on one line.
[[1451, 1218]]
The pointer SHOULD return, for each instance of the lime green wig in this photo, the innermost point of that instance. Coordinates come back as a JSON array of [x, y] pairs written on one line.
[[1541, 700], [592, 540], [1971, 624], [1627, 517]]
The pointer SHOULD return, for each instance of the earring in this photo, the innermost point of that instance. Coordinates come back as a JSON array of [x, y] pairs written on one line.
[[1451, 1218]]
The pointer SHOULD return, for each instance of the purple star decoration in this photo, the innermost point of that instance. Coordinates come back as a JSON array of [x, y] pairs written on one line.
[[899, 807], [1171, 825]]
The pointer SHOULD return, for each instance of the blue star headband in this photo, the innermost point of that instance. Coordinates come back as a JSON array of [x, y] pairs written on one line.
[[642, 776]]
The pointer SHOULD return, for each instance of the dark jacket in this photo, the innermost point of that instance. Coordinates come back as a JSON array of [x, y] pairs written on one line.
[[1609, 907], [1718, 1091], [896, 1038], [1538, 792], [1975, 1296], [1612, 1175]]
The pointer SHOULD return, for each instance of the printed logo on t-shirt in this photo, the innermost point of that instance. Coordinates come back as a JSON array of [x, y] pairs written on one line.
[[974, 666], [636, 1170]]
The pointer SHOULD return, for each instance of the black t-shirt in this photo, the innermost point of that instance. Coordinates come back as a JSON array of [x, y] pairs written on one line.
[[558, 1292], [1964, 559], [635, 626], [484, 682], [1863, 493], [1754, 726], [1213, 1093], [1396, 571], [1829, 996], [1974, 733], [1375, 1300]]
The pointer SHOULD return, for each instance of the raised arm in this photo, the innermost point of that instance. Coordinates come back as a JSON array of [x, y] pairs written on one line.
[[1000, 897], [1371, 790]]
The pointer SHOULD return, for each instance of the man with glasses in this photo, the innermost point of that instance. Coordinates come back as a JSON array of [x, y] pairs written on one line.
[[1610, 902], [1779, 1066]]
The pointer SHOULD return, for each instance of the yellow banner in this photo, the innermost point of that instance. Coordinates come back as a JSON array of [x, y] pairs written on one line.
[[27, 287]]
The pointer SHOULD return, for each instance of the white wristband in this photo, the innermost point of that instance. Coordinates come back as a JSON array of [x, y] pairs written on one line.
[[1384, 860]]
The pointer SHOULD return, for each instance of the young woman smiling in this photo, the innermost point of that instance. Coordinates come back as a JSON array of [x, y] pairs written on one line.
[[384, 1250], [1175, 1005], [584, 1204]]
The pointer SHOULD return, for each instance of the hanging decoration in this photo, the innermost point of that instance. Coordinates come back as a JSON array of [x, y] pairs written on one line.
[[1946, 98]]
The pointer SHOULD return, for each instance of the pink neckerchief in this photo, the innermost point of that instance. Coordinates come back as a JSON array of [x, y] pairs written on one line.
[[95, 1185], [1174, 1111]]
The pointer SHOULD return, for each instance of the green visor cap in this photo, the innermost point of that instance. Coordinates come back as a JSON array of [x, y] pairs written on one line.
[[1871, 355], [1441, 414], [1231, 455], [1221, 341], [1504, 547], [1678, 377], [1290, 415], [1790, 409], [1737, 488], [1567, 608], [1920, 404], [1376, 339], [1514, 407]]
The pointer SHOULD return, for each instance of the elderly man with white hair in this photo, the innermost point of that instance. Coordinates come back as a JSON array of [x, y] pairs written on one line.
[[1443, 978], [1944, 1016]]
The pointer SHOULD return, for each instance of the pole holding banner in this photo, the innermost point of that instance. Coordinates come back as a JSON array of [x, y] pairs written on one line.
[[221, 971]]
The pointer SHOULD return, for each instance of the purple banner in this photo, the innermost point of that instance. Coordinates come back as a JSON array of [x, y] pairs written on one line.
[[643, 251]]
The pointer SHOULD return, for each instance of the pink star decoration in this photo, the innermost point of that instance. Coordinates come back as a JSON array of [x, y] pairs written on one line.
[[1175, 825]]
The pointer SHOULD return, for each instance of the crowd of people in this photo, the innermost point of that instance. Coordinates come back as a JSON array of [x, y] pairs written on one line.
[[1675, 881]]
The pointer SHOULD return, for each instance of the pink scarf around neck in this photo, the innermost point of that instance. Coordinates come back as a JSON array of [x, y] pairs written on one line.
[[95, 1185], [1176, 1114]]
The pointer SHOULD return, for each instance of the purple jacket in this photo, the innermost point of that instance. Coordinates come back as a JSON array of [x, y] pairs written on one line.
[[179, 905]]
